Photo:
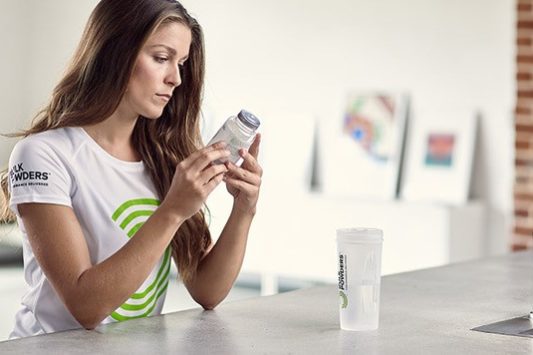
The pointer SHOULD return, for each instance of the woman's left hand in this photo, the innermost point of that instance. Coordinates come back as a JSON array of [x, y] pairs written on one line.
[[243, 182]]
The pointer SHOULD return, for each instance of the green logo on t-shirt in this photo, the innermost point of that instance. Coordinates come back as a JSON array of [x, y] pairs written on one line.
[[131, 215], [141, 207]]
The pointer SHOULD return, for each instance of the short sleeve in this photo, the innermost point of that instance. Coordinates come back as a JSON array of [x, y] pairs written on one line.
[[38, 173]]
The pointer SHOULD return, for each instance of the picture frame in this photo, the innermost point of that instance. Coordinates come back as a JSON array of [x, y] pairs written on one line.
[[361, 150], [440, 156]]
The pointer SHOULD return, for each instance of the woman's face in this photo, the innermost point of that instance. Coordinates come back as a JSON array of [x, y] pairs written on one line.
[[157, 70]]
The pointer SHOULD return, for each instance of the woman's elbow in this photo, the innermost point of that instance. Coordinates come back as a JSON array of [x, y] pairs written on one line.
[[87, 318], [89, 326], [208, 304], [206, 297], [88, 323]]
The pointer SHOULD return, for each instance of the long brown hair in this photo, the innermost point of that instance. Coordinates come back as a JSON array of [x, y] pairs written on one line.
[[95, 82]]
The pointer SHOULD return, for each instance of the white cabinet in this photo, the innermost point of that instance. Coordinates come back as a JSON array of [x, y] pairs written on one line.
[[293, 235], [10, 245]]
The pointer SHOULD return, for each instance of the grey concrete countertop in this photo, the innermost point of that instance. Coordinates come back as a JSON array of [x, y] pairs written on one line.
[[422, 312]]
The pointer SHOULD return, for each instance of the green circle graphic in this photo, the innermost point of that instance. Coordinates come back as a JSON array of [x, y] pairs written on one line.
[[344, 299]]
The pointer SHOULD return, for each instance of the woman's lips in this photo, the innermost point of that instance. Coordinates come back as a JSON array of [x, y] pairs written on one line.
[[165, 97]]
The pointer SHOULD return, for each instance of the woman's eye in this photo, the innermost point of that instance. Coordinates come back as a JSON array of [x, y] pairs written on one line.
[[160, 59]]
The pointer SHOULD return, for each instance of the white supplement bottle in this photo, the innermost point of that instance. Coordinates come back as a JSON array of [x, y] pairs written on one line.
[[238, 132]]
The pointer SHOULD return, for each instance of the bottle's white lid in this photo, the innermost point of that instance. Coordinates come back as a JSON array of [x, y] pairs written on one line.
[[249, 119]]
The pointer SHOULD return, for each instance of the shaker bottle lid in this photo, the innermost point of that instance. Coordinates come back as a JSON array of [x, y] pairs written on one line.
[[249, 119], [359, 235]]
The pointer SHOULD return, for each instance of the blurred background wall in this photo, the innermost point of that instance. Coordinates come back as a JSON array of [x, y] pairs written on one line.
[[288, 56]]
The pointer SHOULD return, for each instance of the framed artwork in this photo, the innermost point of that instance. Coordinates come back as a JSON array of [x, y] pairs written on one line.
[[440, 151], [361, 151]]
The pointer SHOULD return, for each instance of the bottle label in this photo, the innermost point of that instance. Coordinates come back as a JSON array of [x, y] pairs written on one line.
[[234, 139], [343, 281]]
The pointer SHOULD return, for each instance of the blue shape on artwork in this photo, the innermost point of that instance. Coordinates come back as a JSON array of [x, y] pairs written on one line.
[[358, 134]]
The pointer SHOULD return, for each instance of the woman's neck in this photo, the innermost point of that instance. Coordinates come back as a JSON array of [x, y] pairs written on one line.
[[114, 135]]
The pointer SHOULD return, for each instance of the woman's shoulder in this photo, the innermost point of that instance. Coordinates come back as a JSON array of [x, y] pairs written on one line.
[[56, 147], [61, 141]]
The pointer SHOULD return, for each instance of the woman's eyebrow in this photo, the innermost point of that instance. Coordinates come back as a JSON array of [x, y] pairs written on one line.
[[170, 49]]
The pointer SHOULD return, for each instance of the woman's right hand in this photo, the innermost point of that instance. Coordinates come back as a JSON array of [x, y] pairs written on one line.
[[194, 179]]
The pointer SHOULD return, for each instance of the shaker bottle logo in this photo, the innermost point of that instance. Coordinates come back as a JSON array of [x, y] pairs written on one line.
[[343, 284]]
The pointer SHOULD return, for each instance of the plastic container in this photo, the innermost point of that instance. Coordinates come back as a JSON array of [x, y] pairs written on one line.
[[359, 274], [238, 132]]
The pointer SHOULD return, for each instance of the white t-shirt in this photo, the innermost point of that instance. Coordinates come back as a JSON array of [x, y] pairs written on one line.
[[111, 199]]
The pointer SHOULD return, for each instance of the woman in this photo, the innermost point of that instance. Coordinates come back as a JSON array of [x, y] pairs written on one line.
[[109, 181]]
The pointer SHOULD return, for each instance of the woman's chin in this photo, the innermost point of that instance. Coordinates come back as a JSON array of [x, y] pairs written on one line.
[[152, 115]]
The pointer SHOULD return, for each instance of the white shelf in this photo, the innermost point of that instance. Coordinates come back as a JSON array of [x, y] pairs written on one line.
[[10, 235], [293, 235]]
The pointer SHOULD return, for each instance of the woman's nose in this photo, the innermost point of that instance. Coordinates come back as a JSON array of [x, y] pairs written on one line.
[[174, 77]]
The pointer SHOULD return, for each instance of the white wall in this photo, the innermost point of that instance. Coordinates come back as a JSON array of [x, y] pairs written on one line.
[[55, 30], [303, 57], [274, 56], [38, 38], [13, 61]]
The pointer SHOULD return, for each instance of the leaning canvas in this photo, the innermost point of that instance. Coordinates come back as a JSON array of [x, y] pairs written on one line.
[[361, 151], [439, 157]]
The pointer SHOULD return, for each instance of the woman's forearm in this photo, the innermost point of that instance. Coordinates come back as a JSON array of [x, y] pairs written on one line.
[[220, 267], [104, 287]]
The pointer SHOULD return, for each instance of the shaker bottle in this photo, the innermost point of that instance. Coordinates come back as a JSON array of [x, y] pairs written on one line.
[[359, 276]]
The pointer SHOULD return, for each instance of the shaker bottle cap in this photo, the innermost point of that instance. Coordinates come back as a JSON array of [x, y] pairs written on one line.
[[249, 119], [359, 235]]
